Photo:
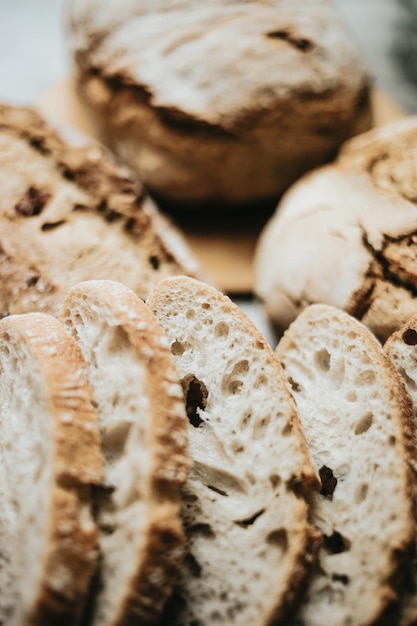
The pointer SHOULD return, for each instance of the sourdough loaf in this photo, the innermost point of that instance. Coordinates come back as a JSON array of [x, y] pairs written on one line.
[[144, 446], [50, 459], [250, 546], [357, 419], [70, 213], [345, 235], [219, 102]]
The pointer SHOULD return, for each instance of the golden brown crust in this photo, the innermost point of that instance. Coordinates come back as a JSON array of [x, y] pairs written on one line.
[[72, 543], [158, 563], [70, 213]]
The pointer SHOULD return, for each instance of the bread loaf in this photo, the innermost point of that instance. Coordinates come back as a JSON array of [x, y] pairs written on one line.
[[345, 235], [50, 459], [401, 348], [70, 213], [220, 102], [144, 446], [357, 419], [250, 546]]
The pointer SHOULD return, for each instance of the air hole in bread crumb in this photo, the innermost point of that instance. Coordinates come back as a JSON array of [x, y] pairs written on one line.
[[300, 43], [328, 482], [221, 492], [335, 543], [410, 382], [154, 261], [232, 385], [221, 330], [114, 440], [237, 447], [361, 493], [177, 348], [190, 314], [52, 225], [364, 424], [246, 417], [322, 360], [260, 427], [206, 305], [351, 396], [261, 381], [118, 340], [392, 441], [409, 337], [287, 430], [364, 378], [202, 530], [248, 521], [195, 393], [341, 578], [278, 538]]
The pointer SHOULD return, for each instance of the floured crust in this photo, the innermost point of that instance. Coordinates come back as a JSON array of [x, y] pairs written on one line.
[[355, 411], [237, 520], [71, 554], [156, 559], [361, 210], [205, 100], [70, 213]]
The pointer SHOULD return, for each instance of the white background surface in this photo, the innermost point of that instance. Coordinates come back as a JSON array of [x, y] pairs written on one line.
[[34, 56]]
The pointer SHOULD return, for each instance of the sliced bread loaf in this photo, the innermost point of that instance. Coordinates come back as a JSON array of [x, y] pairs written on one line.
[[244, 505], [401, 347], [357, 418], [50, 457], [144, 444]]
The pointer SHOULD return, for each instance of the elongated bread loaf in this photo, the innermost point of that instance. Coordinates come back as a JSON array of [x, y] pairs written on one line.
[[144, 444], [357, 418], [401, 347], [244, 505], [50, 458], [70, 213]]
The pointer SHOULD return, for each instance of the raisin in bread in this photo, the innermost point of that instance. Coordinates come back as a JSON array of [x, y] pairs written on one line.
[[70, 213], [250, 545], [50, 458], [144, 445], [357, 419]]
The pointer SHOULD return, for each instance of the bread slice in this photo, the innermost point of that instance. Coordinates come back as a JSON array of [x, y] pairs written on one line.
[[68, 213], [401, 348], [144, 444], [357, 418], [50, 458], [245, 512]]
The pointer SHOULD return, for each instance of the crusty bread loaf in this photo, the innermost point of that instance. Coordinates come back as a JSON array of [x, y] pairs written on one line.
[[70, 213], [345, 235], [50, 458], [223, 101], [249, 543], [357, 418], [401, 348], [144, 444]]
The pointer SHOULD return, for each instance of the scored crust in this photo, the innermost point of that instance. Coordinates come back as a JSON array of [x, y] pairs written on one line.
[[222, 101], [48, 366], [357, 418], [250, 547], [70, 213], [345, 235], [143, 426]]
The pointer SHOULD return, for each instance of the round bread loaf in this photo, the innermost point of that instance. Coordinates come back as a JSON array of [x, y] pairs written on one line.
[[70, 213], [221, 102], [345, 235]]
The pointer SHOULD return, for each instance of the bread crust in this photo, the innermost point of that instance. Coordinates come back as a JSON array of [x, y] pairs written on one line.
[[72, 534], [68, 213], [204, 119], [345, 235], [161, 551]]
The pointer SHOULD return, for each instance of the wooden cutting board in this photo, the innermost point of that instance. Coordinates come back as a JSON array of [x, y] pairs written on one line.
[[223, 245]]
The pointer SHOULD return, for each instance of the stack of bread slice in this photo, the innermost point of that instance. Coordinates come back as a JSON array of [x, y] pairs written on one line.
[[162, 465]]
